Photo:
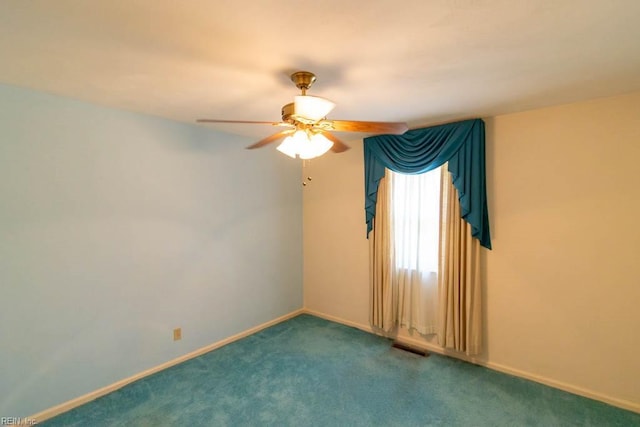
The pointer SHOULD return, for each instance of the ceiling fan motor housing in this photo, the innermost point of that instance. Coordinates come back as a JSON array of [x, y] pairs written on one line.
[[288, 112], [289, 115]]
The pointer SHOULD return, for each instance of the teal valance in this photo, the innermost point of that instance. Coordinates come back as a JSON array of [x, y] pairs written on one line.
[[421, 150]]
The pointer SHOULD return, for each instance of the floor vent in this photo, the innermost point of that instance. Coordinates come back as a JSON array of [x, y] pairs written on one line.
[[410, 349]]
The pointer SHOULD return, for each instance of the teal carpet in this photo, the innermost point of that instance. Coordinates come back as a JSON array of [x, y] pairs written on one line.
[[311, 372]]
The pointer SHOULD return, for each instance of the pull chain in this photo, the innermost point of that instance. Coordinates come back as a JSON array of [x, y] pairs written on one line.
[[305, 164]]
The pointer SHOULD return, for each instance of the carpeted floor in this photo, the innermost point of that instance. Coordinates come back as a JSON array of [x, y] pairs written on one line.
[[311, 372]]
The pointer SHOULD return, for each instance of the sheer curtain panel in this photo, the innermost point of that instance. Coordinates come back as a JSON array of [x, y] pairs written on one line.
[[415, 220], [404, 253]]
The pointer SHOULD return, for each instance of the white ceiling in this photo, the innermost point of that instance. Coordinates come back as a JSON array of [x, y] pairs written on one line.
[[418, 61]]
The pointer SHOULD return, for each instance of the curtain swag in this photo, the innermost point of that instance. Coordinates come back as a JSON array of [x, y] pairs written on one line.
[[421, 150]]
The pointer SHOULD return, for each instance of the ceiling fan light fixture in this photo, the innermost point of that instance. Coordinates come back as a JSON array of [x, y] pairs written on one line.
[[317, 145], [312, 107], [302, 144], [288, 147]]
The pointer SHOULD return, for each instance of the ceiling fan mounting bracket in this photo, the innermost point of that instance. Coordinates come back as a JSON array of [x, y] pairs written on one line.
[[303, 80]]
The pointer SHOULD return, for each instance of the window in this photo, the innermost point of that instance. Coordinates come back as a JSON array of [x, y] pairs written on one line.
[[415, 219]]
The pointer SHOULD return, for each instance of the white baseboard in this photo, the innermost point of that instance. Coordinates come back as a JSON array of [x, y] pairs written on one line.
[[580, 391], [66, 406], [620, 403]]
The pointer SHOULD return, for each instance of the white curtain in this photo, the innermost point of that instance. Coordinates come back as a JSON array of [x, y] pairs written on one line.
[[404, 253], [415, 220]]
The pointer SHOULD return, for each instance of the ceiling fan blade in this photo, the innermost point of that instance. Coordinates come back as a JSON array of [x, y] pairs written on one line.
[[338, 145], [242, 122], [270, 139], [394, 128]]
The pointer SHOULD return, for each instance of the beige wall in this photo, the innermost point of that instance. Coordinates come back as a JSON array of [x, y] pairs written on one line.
[[563, 281]]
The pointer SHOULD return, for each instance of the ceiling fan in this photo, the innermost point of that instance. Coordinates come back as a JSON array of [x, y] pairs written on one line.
[[307, 130]]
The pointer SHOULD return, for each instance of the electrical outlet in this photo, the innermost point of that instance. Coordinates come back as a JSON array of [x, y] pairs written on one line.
[[177, 334]]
